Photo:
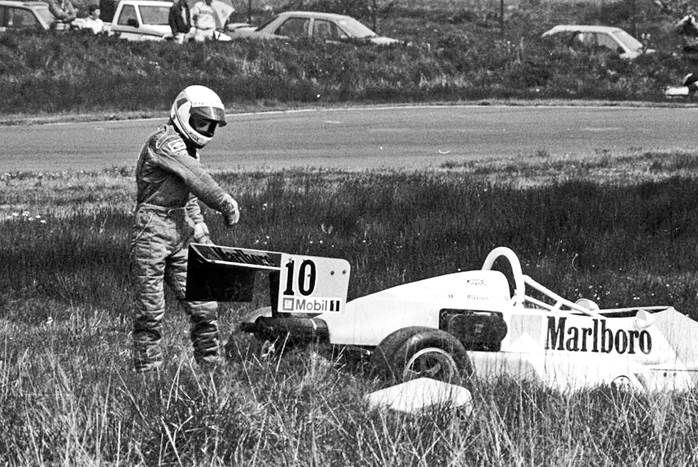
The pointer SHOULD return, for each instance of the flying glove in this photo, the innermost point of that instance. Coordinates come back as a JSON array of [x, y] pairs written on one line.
[[231, 213]]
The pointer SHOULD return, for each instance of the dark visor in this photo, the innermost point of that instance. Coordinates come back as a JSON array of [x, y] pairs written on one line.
[[210, 113]]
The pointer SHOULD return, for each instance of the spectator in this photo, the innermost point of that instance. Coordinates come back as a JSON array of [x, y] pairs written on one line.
[[204, 20], [107, 9], [180, 20], [93, 21], [63, 11]]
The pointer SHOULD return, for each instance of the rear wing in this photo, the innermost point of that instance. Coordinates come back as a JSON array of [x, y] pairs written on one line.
[[298, 283]]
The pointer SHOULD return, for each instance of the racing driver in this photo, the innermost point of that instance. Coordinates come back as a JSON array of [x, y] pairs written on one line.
[[170, 180]]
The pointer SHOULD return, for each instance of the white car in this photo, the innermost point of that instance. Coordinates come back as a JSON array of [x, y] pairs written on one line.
[[25, 16], [145, 20], [612, 38], [456, 325], [321, 26]]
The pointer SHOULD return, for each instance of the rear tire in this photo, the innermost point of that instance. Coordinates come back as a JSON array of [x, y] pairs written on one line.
[[417, 351], [382, 356]]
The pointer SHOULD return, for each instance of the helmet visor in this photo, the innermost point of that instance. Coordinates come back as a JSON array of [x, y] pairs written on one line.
[[215, 114], [203, 125]]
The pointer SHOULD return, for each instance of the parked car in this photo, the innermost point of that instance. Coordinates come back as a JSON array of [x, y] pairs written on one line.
[[329, 27], [141, 20], [612, 38], [17, 15], [145, 20]]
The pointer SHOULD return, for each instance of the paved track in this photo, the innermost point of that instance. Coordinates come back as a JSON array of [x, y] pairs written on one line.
[[361, 138]]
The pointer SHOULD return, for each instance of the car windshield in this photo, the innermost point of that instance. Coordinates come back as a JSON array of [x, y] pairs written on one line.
[[264, 24], [45, 15], [355, 29], [629, 41], [155, 15]]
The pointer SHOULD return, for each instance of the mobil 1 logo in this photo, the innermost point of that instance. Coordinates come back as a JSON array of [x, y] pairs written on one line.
[[312, 284]]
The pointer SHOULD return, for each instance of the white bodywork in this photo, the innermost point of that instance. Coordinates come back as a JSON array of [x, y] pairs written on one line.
[[688, 88], [562, 344], [677, 91], [549, 339], [421, 394]]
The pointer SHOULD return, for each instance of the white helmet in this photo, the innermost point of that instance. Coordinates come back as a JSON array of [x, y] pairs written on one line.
[[204, 106]]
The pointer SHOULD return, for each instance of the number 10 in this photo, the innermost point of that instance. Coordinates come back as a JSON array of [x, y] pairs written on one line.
[[306, 277]]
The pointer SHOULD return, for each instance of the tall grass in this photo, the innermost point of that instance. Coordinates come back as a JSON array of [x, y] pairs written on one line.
[[67, 395]]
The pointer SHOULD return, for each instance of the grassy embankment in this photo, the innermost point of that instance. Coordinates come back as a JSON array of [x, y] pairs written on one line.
[[458, 54], [618, 230]]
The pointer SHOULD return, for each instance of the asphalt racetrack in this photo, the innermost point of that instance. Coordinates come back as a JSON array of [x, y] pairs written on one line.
[[401, 137]]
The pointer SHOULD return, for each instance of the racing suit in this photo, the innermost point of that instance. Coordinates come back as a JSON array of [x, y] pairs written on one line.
[[169, 180]]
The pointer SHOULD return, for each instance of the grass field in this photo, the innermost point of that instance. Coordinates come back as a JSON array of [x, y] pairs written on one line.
[[619, 230]]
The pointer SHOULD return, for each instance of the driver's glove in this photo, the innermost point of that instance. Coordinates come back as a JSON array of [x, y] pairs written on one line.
[[201, 234], [231, 212]]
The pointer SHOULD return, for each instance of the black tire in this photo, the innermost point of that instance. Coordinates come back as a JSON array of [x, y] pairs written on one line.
[[382, 356], [435, 354]]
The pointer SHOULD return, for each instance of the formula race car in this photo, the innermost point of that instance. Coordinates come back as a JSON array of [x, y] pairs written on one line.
[[455, 326]]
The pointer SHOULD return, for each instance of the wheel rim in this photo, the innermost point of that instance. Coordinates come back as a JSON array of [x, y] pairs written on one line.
[[622, 383], [431, 363]]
